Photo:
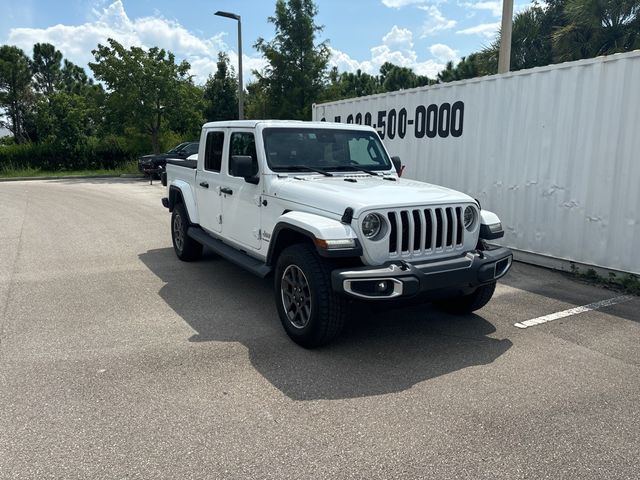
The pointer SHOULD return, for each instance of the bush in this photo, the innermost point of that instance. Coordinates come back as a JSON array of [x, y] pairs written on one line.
[[92, 153]]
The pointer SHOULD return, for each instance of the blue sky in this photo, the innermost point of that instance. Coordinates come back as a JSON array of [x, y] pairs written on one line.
[[421, 34]]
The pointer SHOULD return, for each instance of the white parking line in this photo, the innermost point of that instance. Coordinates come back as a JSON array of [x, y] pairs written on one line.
[[573, 311]]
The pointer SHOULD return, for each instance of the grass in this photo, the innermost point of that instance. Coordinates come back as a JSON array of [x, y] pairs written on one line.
[[627, 282], [130, 167]]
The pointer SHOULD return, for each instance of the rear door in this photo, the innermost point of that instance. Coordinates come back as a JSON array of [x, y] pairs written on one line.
[[208, 180], [241, 200]]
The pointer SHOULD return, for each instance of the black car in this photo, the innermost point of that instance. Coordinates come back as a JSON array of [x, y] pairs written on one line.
[[147, 163]]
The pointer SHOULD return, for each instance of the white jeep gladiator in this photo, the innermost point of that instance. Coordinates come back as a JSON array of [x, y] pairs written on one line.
[[321, 207]]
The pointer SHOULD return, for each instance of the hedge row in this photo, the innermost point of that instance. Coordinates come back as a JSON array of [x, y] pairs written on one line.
[[92, 153]]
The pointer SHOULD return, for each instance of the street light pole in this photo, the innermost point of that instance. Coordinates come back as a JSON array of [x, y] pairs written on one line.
[[240, 84], [504, 57]]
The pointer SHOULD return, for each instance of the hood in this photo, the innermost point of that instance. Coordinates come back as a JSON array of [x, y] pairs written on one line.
[[334, 194], [154, 156]]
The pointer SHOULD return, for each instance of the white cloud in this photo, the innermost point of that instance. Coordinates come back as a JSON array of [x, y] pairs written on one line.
[[495, 7], [383, 53], [489, 30], [430, 68], [398, 48], [435, 22], [400, 3], [400, 38], [77, 41], [345, 63], [443, 53]]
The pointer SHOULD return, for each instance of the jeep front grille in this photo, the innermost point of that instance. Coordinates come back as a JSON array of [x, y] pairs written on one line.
[[424, 231]]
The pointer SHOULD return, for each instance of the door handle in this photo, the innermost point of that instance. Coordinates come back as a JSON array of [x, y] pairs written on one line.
[[226, 190], [204, 184]]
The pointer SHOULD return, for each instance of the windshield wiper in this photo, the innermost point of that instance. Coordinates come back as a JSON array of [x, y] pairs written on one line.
[[309, 169], [349, 168]]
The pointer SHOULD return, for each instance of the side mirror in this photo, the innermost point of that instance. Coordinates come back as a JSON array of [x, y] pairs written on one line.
[[397, 163], [244, 166]]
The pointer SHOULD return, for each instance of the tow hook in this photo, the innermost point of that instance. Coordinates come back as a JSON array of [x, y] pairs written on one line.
[[404, 266]]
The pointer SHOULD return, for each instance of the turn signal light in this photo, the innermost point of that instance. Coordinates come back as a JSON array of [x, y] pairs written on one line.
[[335, 244]]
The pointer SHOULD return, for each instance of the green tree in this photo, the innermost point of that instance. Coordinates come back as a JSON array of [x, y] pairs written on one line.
[[45, 66], [68, 111], [349, 85], [531, 44], [221, 92], [65, 119], [558, 31], [449, 74], [16, 93], [144, 86], [533, 29], [73, 78], [475, 65], [255, 101], [294, 76], [394, 77], [185, 118], [597, 27], [359, 84]]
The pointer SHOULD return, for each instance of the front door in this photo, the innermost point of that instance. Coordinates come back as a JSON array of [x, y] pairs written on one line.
[[240, 199], [208, 181]]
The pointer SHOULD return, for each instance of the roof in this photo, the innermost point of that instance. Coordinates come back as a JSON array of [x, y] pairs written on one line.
[[283, 123]]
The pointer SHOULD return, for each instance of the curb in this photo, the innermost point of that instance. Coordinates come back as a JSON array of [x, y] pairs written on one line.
[[69, 177]]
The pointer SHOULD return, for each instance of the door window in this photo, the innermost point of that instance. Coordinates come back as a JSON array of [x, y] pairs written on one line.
[[213, 151], [243, 143]]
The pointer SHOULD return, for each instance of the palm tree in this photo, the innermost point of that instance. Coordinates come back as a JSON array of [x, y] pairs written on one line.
[[597, 27]]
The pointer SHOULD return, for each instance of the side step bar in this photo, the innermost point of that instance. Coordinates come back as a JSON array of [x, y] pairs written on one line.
[[243, 260]]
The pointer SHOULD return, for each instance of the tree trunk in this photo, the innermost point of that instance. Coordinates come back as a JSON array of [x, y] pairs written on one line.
[[155, 128], [16, 123], [155, 140]]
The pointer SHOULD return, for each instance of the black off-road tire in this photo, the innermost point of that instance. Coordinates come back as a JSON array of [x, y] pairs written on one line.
[[328, 310], [468, 303], [186, 248]]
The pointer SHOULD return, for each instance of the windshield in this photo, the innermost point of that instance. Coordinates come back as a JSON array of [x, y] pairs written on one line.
[[190, 148], [325, 149], [177, 148]]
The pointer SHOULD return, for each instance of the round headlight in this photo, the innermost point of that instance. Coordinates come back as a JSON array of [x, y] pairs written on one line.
[[371, 225], [469, 217]]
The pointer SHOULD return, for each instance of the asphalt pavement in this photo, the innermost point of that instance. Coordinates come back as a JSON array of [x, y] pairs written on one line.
[[119, 361]]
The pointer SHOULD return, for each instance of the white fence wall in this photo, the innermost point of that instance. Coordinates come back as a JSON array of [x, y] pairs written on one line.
[[555, 151]]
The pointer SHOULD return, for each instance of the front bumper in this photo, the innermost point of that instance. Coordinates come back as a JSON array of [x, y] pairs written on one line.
[[449, 277]]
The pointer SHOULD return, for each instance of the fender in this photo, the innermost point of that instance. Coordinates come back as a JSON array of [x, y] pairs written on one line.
[[490, 226], [318, 229], [188, 198]]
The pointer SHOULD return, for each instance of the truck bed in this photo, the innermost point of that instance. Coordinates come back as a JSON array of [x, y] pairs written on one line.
[[193, 164], [179, 171]]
